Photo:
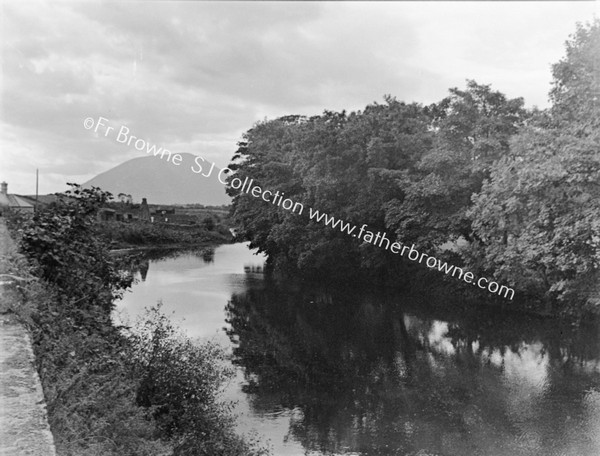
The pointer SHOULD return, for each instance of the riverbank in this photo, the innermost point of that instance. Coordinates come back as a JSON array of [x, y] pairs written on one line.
[[111, 390], [128, 235], [182, 247]]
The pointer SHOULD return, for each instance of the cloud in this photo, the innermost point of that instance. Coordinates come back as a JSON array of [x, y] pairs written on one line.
[[193, 76]]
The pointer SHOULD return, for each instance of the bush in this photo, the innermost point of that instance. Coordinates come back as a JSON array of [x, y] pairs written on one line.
[[181, 382], [208, 223], [59, 240]]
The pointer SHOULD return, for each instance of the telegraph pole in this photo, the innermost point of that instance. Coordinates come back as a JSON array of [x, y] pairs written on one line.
[[37, 178]]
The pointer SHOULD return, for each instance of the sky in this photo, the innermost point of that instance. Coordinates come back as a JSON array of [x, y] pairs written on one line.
[[194, 76]]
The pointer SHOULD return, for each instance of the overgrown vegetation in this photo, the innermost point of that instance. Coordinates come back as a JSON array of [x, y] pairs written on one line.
[[181, 381], [520, 186], [127, 234], [113, 391]]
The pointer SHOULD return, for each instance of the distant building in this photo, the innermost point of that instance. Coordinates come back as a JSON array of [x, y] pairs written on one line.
[[160, 210], [124, 211], [127, 212], [106, 214], [14, 203]]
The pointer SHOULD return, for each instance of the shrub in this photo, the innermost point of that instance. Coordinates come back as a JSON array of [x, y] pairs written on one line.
[[181, 382], [59, 240], [208, 223]]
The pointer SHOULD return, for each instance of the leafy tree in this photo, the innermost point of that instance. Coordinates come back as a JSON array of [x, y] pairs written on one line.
[[472, 130], [537, 216], [341, 164], [262, 156], [575, 90]]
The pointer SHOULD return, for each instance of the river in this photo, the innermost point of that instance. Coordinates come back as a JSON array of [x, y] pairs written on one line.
[[344, 372]]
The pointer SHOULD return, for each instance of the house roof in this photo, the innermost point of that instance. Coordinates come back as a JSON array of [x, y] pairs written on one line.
[[8, 200], [42, 199]]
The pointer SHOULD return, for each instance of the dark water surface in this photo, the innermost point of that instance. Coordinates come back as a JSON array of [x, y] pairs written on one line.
[[339, 372]]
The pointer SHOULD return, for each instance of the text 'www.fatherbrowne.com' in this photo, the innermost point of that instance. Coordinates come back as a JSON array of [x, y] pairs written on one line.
[[200, 166], [379, 239]]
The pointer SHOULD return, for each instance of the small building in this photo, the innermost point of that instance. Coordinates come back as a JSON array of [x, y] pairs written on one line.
[[106, 214], [14, 203], [124, 212]]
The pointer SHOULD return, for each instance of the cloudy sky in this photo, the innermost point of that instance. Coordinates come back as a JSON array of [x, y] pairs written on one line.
[[193, 76]]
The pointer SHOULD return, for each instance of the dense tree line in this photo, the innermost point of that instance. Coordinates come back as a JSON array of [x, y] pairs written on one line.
[[520, 186]]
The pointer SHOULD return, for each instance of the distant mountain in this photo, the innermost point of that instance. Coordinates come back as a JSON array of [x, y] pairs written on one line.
[[162, 182]]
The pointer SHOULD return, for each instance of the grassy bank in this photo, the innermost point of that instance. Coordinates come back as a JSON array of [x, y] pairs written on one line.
[[146, 390], [119, 235]]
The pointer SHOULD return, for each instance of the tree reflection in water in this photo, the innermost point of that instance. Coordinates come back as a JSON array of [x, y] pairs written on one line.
[[375, 375], [138, 261]]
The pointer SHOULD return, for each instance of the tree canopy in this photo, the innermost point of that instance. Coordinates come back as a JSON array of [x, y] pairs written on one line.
[[520, 186], [538, 215]]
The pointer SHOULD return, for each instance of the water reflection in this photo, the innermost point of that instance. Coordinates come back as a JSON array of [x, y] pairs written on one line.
[[194, 285], [332, 372], [138, 261], [374, 375]]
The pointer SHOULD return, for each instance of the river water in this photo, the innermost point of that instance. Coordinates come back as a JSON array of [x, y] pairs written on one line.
[[343, 372]]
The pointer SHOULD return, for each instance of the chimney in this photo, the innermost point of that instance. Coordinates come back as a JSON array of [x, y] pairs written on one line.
[[144, 210], [4, 188]]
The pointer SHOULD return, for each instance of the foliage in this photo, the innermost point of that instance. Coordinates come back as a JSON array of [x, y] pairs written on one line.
[[519, 186], [537, 217], [575, 93], [344, 165], [124, 234], [87, 382], [103, 390], [472, 130], [208, 223], [403, 168], [58, 239], [181, 381], [80, 356]]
